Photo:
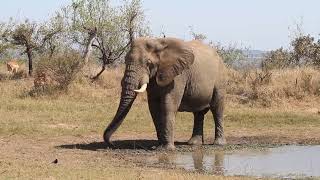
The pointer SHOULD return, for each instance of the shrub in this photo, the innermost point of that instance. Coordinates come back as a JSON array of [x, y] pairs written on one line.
[[274, 86], [54, 74], [305, 51], [277, 59], [20, 74]]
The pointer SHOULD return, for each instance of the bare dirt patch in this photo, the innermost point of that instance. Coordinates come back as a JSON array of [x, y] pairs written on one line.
[[81, 156]]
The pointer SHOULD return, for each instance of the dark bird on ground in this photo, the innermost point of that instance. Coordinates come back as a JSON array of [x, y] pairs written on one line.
[[55, 161]]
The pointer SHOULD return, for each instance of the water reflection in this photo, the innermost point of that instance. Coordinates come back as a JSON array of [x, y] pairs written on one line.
[[200, 164], [218, 166], [286, 161], [197, 158]]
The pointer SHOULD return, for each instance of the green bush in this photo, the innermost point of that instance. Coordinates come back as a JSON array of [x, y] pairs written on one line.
[[305, 51], [277, 59], [55, 74]]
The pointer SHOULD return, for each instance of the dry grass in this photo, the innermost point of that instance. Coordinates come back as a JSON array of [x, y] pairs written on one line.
[[21, 74], [269, 88], [110, 78]]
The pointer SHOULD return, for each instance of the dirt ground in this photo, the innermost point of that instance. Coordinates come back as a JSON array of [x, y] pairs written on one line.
[[87, 157]]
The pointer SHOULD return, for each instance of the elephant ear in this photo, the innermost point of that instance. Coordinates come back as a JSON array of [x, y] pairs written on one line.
[[175, 57]]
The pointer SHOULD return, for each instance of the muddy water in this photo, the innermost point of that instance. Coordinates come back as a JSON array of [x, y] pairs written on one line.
[[285, 161]]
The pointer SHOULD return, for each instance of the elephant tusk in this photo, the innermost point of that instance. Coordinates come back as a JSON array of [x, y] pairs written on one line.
[[142, 89]]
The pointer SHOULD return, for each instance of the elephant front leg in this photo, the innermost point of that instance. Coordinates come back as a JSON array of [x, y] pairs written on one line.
[[168, 121], [168, 113]]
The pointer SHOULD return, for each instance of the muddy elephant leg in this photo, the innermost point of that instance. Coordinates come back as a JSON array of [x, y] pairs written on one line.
[[197, 134], [217, 108], [168, 112], [168, 120], [154, 107]]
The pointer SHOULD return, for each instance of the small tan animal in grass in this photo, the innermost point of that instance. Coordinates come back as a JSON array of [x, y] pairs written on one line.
[[12, 66]]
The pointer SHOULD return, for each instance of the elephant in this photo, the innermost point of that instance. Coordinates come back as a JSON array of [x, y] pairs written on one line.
[[179, 76]]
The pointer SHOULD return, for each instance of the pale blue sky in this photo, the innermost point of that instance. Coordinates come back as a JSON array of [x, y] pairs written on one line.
[[258, 24]]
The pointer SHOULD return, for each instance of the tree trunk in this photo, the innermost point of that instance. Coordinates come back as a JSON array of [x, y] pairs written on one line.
[[105, 61], [29, 53], [87, 52], [99, 73]]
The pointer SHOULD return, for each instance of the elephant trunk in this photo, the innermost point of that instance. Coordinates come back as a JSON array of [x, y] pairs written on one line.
[[128, 95], [123, 109]]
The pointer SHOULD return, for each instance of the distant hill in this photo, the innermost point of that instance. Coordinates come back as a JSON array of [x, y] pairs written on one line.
[[255, 54], [254, 59]]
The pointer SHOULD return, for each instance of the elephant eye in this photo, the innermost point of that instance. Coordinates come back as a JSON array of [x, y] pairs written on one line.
[[161, 76], [150, 65]]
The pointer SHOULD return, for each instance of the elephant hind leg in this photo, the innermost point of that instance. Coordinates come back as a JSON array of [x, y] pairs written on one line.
[[217, 108], [197, 134]]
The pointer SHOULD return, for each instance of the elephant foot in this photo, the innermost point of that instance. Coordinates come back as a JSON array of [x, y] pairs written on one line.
[[168, 147], [196, 140], [161, 142], [108, 142], [110, 145], [220, 141]]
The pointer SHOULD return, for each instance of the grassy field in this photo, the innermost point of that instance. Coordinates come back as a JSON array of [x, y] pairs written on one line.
[[36, 131]]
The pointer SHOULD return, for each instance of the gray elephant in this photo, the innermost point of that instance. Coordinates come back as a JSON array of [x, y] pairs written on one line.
[[178, 76]]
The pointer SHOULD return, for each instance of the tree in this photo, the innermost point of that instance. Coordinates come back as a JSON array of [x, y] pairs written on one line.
[[4, 31], [303, 49], [316, 54], [232, 53], [52, 35], [197, 36], [277, 59], [32, 37], [26, 35], [113, 43], [109, 29]]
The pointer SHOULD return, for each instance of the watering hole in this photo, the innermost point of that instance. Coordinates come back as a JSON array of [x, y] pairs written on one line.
[[285, 162]]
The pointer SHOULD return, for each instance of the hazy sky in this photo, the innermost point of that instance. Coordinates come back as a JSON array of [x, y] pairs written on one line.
[[258, 24]]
